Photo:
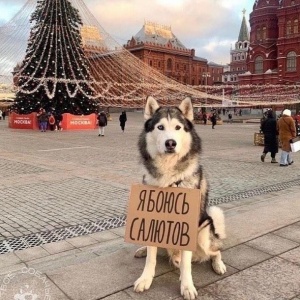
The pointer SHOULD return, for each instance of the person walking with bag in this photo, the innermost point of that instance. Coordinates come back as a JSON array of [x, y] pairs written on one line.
[[287, 131], [123, 120], [269, 129], [102, 122]]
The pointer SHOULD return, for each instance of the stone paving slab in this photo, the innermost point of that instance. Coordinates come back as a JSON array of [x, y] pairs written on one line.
[[273, 279], [243, 256], [292, 256], [99, 277], [272, 244], [24, 285], [291, 232]]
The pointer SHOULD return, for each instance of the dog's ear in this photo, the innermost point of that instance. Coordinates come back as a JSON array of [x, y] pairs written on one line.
[[151, 107], [187, 108]]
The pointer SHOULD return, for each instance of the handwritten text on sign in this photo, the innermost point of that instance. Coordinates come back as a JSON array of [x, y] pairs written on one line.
[[163, 217]]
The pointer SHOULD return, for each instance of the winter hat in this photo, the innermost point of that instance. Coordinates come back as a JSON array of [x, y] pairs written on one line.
[[287, 112]]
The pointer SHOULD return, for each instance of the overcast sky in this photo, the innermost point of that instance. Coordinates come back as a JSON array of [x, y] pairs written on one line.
[[208, 26]]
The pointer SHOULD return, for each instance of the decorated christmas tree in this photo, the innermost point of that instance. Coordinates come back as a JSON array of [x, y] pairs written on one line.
[[55, 73]]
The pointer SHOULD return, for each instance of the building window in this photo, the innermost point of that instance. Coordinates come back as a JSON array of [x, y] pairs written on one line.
[[150, 63], [296, 26], [259, 65], [264, 33], [169, 64], [258, 33], [291, 61], [289, 27]]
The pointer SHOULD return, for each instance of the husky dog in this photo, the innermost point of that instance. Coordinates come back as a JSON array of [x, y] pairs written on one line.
[[170, 150]]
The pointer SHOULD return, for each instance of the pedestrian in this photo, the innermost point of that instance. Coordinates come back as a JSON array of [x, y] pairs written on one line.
[[4, 114], [213, 120], [123, 120], [1, 114], [269, 129], [102, 122], [287, 131], [230, 118], [43, 120], [204, 118], [58, 121], [51, 121]]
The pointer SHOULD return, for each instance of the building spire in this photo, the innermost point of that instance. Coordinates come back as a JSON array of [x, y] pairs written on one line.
[[244, 32]]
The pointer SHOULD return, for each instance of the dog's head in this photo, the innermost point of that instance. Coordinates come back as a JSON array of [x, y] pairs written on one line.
[[168, 129]]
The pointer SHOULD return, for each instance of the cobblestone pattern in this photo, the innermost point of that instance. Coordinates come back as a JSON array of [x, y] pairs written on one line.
[[53, 180]]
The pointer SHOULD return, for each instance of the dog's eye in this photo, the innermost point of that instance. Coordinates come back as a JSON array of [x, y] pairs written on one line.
[[177, 127], [160, 127]]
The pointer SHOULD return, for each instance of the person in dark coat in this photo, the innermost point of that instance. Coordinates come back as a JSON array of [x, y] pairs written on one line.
[[269, 129], [213, 120], [102, 122], [123, 120]]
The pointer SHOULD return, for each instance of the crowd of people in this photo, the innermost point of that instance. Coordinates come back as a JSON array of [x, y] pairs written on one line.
[[49, 120], [282, 130]]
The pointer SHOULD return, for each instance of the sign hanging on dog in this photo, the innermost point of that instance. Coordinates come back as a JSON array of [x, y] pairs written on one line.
[[163, 217]]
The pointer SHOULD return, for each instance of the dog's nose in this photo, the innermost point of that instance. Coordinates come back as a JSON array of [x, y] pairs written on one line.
[[170, 145]]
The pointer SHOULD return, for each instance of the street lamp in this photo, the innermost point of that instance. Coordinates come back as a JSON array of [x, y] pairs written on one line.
[[206, 75]]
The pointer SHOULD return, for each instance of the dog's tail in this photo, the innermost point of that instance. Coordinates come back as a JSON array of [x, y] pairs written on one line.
[[217, 216]]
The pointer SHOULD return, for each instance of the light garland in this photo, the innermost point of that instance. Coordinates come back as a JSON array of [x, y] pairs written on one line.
[[109, 74]]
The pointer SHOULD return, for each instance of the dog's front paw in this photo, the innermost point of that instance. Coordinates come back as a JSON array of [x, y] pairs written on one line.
[[218, 266], [141, 252], [189, 291], [142, 284]]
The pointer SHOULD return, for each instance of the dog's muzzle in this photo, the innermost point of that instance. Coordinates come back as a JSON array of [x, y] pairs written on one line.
[[170, 146]]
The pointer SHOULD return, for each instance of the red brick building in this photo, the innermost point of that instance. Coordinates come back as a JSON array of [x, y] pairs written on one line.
[[157, 46], [274, 52]]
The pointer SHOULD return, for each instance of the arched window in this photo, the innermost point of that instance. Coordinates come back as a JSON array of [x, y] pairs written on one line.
[[264, 33], [291, 61], [259, 65], [289, 27], [169, 64], [258, 33], [296, 25]]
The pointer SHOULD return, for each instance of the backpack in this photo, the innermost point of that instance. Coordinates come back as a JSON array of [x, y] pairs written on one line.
[[102, 120], [51, 120]]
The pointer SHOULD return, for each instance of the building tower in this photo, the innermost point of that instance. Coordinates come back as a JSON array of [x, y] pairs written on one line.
[[262, 63], [238, 55]]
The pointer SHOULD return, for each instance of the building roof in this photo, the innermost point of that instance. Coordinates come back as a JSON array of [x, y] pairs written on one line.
[[213, 64], [160, 34], [199, 58], [266, 3], [244, 32]]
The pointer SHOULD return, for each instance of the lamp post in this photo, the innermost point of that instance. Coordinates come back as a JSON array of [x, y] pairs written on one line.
[[206, 75]]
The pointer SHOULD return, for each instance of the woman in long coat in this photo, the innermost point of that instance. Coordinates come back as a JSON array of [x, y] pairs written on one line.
[[287, 131], [269, 129]]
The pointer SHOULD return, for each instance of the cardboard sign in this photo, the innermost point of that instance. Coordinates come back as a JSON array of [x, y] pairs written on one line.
[[163, 217]]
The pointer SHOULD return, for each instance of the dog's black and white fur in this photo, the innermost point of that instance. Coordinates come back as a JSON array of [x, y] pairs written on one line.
[[170, 150]]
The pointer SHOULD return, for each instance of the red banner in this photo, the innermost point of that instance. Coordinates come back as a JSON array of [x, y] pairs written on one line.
[[72, 122], [22, 121], [69, 122]]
